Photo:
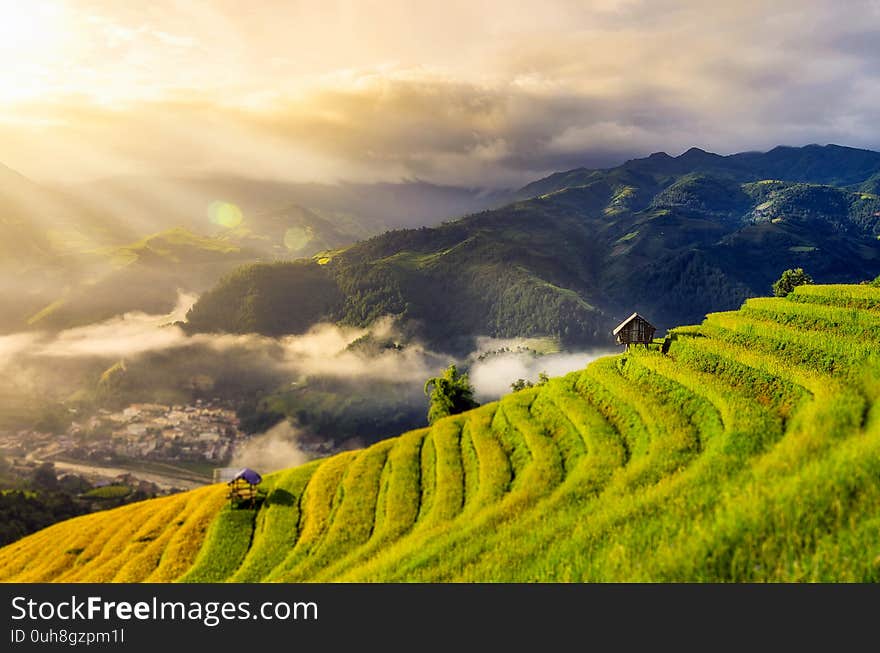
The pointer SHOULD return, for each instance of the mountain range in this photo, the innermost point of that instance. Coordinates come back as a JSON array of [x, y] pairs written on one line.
[[671, 237]]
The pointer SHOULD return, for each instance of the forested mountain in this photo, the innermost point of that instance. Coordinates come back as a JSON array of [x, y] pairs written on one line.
[[671, 237]]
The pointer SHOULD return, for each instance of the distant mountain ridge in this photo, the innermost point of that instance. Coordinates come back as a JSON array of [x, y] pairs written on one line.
[[834, 165], [671, 237]]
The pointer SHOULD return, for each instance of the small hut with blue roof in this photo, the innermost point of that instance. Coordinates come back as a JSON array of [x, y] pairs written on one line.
[[243, 487]]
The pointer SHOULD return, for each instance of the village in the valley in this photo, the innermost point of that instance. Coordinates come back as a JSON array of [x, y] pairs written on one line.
[[206, 433]]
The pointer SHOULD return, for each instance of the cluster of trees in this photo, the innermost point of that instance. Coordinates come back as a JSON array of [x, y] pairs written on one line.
[[449, 394], [522, 384], [22, 512], [40, 499], [452, 393], [791, 279], [39, 502]]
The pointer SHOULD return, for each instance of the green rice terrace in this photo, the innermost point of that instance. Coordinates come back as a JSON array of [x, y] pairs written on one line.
[[749, 452]]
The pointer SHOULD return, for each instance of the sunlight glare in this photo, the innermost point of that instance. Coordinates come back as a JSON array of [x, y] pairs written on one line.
[[29, 28], [296, 238], [225, 214], [32, 38]]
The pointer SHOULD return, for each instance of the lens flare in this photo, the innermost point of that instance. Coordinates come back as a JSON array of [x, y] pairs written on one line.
[[296, 238], [225, 214]]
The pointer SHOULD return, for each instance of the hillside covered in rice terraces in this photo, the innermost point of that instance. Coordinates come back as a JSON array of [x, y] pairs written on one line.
[[749, 452]]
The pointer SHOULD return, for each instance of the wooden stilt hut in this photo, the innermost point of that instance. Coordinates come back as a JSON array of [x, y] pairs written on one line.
[[634, 330], [243, 488]]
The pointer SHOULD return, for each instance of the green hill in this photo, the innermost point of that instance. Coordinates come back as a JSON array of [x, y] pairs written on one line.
[[748, 453], [673, 238], [142, 276]]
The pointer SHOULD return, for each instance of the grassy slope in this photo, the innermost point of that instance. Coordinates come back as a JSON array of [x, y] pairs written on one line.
[[750, 452]]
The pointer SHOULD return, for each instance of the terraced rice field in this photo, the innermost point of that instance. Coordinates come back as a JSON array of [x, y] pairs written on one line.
[[750, 452]]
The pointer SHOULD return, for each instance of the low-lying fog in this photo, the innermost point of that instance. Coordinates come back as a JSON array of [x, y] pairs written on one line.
[[162, 360]]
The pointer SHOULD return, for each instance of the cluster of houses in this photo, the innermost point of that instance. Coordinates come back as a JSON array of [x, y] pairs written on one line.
[[203, 432]]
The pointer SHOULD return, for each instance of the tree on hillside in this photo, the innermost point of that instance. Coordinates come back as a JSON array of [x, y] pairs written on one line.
[[450, 393], [789, 280], [521, 384], [875, 282]]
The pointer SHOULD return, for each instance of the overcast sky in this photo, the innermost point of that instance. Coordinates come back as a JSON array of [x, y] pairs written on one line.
[[496, 92]]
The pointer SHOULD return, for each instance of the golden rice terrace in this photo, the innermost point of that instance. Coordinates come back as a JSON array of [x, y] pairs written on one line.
[[751, 451]]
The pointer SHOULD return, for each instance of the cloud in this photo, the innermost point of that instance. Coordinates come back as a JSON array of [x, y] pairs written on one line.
[[277, 448], [341, 386], [495, 94], [323, 351], [130, 334], [12, 346], [163, 358], [492, 376]]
